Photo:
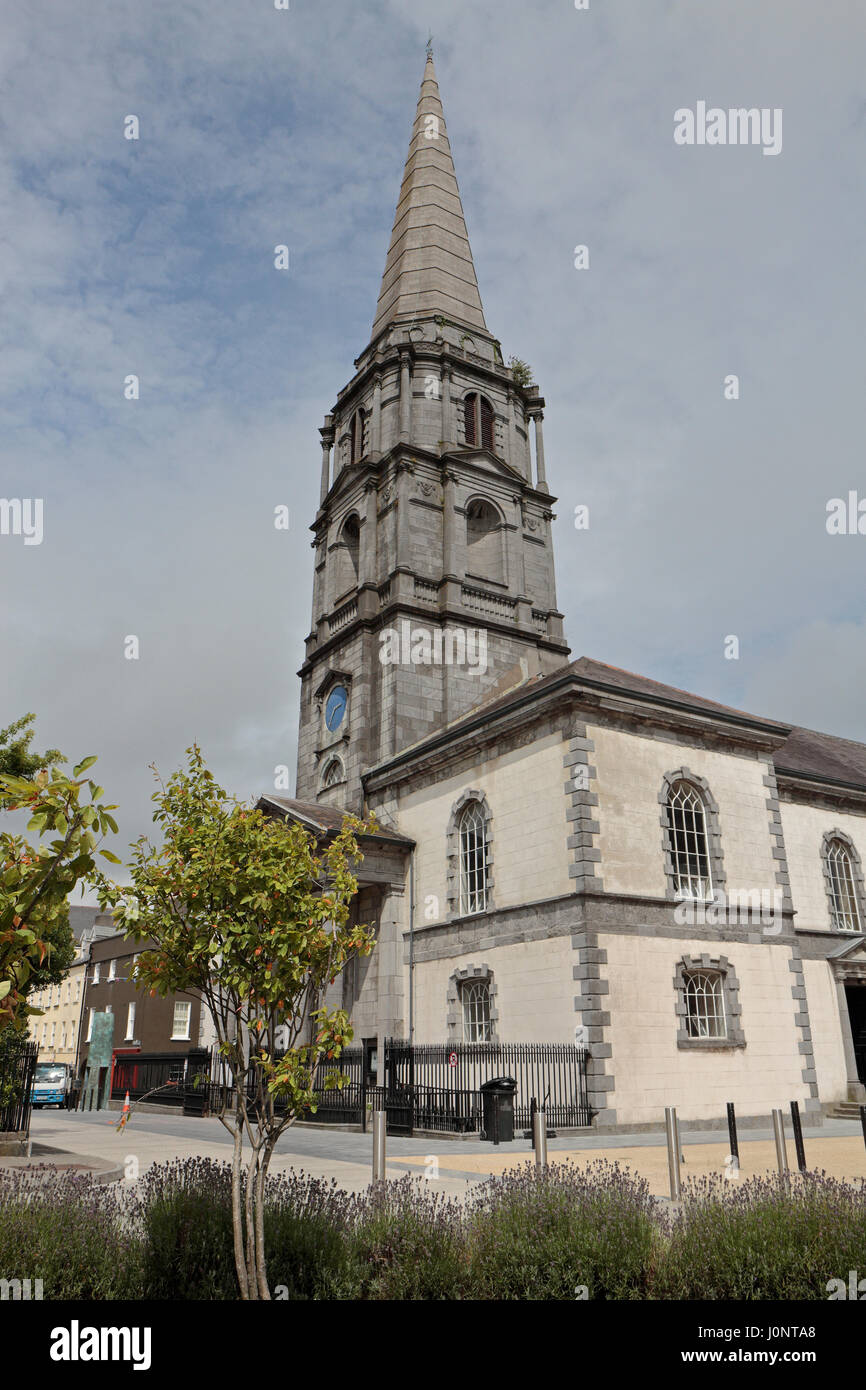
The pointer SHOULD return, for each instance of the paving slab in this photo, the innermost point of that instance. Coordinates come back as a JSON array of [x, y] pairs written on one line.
[[49, 1159], [838, 1149]]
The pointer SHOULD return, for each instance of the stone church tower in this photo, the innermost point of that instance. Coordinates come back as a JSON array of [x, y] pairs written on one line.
[[567, 850], [434, 516]]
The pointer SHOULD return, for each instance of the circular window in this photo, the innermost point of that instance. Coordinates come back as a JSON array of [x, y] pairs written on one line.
[[335, 708]]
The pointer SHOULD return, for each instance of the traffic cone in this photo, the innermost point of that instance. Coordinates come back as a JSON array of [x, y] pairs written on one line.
[[124, 1114]]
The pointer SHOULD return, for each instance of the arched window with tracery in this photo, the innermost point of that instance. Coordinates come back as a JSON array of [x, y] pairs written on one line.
[[475, 998], [478, 421], [842, 872], [333, 774], [705, 1004], [473, 860], [689, 842]]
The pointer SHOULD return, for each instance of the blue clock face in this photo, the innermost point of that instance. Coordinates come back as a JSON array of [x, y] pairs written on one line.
[[335, 709]]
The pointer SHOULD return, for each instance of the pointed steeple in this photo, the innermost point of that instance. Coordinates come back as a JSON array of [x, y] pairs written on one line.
[[429, 267]]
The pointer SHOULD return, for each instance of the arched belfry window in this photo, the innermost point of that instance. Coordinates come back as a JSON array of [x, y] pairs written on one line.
[[484, 551], [478, 420], [357, 436], [352, 542], [690, 849], [348, 556], [844, 880]]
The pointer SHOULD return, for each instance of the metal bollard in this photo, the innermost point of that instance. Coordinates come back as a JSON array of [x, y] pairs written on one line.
[[732, 1135], [863, 1121], [798, 1136], [673, 1138], [539, 1138], [781, 1149], [380, 1121]]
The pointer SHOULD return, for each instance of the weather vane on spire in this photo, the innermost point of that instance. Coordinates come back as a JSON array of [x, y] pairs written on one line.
[[430, 44]]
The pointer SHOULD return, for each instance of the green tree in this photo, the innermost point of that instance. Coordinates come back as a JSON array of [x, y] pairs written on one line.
[[37, 879], [16, 759], [251, 914]]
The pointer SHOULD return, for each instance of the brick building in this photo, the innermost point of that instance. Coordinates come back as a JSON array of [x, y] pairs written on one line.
[[143, 1022]]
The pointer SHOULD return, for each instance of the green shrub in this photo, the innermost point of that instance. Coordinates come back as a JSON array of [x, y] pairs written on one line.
[[526, 1235], [183, 1211], [407, 1243], [307, 1221], [762, 1240], [68, 1231], [547, 1235]]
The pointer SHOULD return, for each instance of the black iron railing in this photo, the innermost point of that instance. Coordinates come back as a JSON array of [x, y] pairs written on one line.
[[16, 1082], [554, 1074], [159, 1075], [428, 1086]]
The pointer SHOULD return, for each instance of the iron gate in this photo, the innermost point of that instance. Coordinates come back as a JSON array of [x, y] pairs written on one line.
[[16, 1084]]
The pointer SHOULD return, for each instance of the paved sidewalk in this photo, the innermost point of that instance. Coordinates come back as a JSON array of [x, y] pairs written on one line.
[[837, 1148]]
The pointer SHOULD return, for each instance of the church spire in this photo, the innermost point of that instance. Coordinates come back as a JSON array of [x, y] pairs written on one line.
[[429, 267]]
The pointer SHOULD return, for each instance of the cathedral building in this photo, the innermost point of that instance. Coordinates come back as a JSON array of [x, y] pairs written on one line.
[[568, 851]]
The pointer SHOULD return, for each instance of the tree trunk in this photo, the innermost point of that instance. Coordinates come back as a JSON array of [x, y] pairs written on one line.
[[237, 1213], [261, 1266], [249, 1203]]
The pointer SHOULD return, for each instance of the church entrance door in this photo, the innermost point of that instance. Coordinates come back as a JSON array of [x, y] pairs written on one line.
[[856, 997]]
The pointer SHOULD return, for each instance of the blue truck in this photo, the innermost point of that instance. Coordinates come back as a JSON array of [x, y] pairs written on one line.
[[52, 1083]]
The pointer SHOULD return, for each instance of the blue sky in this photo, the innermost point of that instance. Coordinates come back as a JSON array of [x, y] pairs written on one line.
[[261, 127]]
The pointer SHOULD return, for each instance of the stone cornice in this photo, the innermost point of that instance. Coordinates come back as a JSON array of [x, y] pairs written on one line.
[[620, 914], [451, 356], [810, 789], [594, 702]]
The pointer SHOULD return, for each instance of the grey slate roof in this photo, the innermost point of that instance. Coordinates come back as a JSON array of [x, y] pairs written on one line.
[[803, 752], [808, 753], [324, 819], [632, 684]]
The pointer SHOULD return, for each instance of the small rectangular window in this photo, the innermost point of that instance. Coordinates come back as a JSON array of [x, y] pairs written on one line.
[[181, 1020], [130, 1022]]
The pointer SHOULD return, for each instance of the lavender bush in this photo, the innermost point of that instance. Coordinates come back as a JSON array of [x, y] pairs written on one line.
[[763, 1239], [522, 1236], [183, 1210], [407, 1242], [308, 1222], [68, 1231], [183, 1213], [542, 1236]]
